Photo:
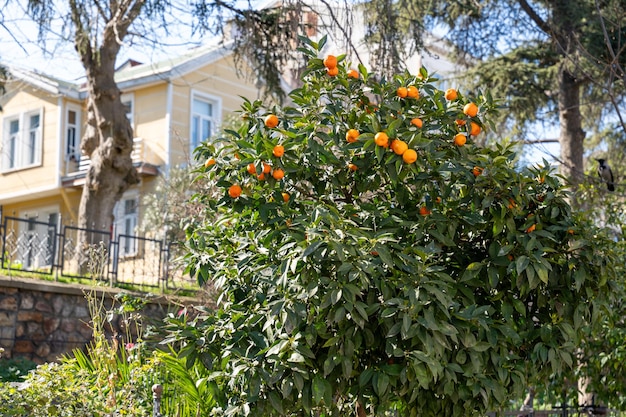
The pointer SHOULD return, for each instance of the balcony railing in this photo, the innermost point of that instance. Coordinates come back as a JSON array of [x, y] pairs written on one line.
[[143, 160]]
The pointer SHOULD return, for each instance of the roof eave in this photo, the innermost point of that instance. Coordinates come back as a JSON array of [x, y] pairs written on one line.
[[44, 83], [175, 71]]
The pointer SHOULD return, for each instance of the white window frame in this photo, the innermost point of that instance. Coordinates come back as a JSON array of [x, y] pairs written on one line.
[[18, 149], [122, 219], [75, 155], [214, 118]]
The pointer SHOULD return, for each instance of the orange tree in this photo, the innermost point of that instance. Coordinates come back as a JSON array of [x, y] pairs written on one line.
[[391, 262]]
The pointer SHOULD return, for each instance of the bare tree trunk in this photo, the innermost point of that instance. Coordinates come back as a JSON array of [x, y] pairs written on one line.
[[527, 407], [572, 135], [360, 410], [111, 171], [108, 138]]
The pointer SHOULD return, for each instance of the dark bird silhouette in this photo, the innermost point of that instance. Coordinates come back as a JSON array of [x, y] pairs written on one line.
[[605, 173]]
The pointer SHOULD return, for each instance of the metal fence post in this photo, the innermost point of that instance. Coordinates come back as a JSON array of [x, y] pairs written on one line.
[[157, 391]]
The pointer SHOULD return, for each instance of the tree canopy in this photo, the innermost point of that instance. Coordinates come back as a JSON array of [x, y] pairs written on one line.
[[368, 254], [557, 63]]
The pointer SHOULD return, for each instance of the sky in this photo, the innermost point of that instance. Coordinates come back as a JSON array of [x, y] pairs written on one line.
[[20, 46]]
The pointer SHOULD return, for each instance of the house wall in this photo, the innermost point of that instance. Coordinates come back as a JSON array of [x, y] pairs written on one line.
[[150, 122], [67, 206], [27, 181], [161, 118], [218, 80]]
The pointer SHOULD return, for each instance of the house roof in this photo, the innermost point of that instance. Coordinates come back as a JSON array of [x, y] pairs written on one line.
[[45, 82], [131, 74]]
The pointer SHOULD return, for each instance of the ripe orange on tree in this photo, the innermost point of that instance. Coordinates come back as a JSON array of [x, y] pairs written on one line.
[[330, 61], [353, 73], [409, 156], [286, 197], [352, 167], [424, 211], [470, 109], [381, 139], [209, 162], [413, 92], [460, 139], [399, 146], [451, 94], [474, 128], [352, 135], [512, 203], [334, 71], [402, 92], [234, 191], [271, 121], [477, 171], [278, 151], [251, 168], [266, 168], [460, 122], [531, 228], [417, 122], [278, 174]]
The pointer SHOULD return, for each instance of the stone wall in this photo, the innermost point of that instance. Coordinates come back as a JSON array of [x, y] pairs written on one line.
[[41, 320]]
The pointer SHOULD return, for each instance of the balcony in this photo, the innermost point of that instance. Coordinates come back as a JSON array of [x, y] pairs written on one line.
[[74, 172]]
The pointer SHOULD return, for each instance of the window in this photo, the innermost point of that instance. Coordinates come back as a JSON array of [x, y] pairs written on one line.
[[72, 136], [126, 216], [203, 120], [128, 103], [14, 131], [21, 142]]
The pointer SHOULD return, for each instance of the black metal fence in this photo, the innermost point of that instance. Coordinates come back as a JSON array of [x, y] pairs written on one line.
[[50, 248], [585, 411]]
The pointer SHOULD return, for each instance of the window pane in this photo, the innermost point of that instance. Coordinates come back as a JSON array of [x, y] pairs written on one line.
[[71, 117], [130, 206], [194, 131], [32, 146], [14, 126], [34, 121], [128, 109], [206, 130], [71, 141], [12, 144], [202, 108], [32, 141]]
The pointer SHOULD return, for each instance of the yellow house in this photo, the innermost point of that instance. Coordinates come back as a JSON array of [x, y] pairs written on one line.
[[172, 105]]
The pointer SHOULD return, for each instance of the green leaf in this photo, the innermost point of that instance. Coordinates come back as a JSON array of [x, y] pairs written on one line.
[[312, 248], [521, 263], [318, 389], [366, 376], [381, 384], [542, 272], [276, 402]]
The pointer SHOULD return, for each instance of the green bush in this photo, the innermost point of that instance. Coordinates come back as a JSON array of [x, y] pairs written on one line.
[[15, 369], [356, 273], [111, 376]]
